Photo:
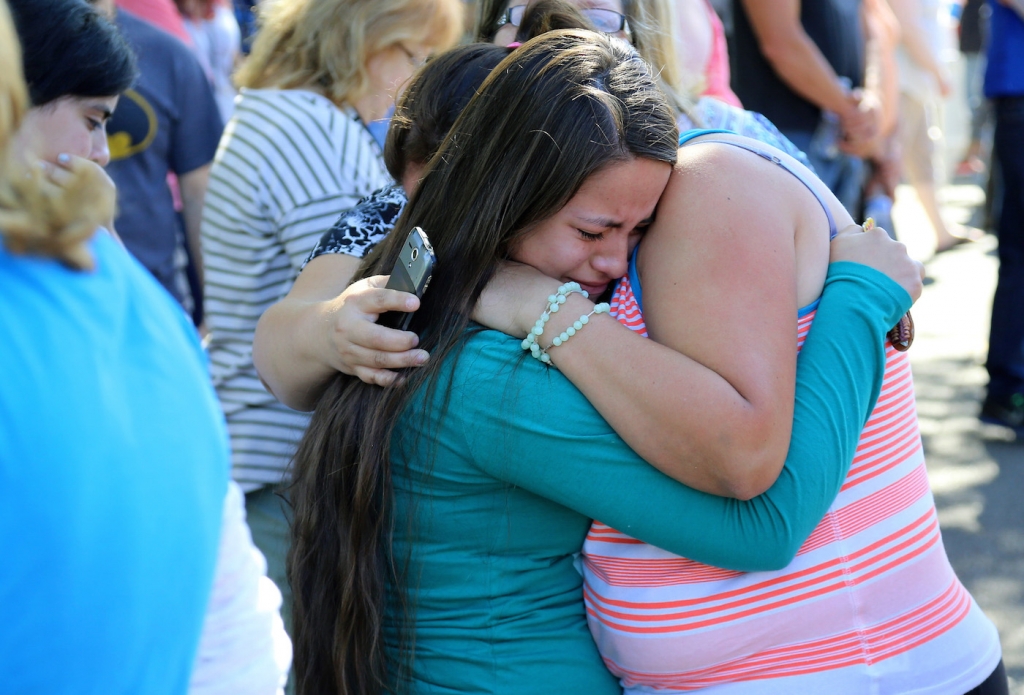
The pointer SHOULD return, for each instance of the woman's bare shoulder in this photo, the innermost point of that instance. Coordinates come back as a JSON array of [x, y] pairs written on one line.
[[717, 184], [753, 170]]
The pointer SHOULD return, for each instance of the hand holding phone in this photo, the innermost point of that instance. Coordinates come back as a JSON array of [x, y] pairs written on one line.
[[411, 273]]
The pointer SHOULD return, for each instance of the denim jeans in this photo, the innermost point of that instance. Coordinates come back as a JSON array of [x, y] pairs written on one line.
[[843, 174], [269, 519], [1006, 339], [981, 109]]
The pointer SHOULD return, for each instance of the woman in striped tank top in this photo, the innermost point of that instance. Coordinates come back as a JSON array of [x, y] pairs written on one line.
[[870, 604]]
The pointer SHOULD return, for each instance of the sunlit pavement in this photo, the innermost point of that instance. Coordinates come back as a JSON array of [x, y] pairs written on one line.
[[976, 471]]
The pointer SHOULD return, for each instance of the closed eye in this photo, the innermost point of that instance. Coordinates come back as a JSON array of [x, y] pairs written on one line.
[[95, 124], [644, 225], [587, 236]]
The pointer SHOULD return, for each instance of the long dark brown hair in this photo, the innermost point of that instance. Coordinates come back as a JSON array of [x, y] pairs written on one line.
[[557, 110], [433, 100], [440, 91]]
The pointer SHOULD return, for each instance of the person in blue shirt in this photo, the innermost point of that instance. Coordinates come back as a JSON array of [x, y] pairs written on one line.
[[167, 123], [1004, 85], [110, 517]]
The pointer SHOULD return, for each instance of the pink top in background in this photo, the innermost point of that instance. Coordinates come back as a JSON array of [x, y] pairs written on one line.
[[716, 73]]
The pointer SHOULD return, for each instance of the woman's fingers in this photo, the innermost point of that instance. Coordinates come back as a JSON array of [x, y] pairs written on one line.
[[372, 297], [368, 345], [359, 359], [376, 337], [875, 249], [68, 168], [57, 175], [357, 345], [378, 377]]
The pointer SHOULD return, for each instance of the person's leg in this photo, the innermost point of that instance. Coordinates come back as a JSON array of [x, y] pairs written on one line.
[[268, 516], [919, 166], [848, 185], [995, 684], [974, 74], [1005, 401], [802, 140]]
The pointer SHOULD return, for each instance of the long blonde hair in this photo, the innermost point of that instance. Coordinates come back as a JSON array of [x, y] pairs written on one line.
[[36, 217], [324, 45], [653, 25]]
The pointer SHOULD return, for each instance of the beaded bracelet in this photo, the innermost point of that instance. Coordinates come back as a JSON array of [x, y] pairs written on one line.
[[555, 301], [577, 325], [569, 332]]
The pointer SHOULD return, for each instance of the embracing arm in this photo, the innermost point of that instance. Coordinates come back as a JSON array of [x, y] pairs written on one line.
[[710, 403], [721, 285], [324, 326], [551, 441]]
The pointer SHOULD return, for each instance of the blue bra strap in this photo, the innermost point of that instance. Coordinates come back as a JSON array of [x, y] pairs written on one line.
[[634, 276], [691, 134], [687, 135]]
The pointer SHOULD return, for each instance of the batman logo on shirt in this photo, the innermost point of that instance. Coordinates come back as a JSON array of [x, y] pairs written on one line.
[[133, 126]]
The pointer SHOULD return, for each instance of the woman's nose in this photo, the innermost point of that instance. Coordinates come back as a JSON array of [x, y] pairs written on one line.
[[100, 150], [613, 258]]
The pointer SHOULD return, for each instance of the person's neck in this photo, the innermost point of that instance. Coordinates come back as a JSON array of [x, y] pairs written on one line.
[[107, 8], [371, 107]]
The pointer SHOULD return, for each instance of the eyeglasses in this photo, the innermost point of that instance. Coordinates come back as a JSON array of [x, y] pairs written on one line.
[[416, 62], [605, 21]]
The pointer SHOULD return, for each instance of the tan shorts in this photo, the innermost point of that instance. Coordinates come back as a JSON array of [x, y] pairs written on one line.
[[919, 135]]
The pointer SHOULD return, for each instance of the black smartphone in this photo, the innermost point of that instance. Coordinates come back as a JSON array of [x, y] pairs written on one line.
[[412, 273]]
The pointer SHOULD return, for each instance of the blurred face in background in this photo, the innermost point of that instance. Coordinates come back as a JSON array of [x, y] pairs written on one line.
[[606, 15], [70, 125], [389, 72]]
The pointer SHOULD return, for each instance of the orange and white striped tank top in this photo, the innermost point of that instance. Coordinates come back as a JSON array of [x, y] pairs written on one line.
[[869, 605]]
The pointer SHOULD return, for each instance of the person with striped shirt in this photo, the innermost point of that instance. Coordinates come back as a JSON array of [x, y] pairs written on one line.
[[295, 153], [870, 602]]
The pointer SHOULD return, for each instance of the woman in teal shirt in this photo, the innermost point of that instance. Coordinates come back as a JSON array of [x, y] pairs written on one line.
[[437, 521]]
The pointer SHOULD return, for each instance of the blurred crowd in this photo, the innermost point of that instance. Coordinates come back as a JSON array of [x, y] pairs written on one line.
[[257, 153]]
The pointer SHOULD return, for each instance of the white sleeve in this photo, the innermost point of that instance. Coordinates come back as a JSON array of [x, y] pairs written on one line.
[[244, 647]]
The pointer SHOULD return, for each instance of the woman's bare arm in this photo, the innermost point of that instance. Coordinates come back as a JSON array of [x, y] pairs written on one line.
[[719, 276], [325, 326], [724, 275]]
